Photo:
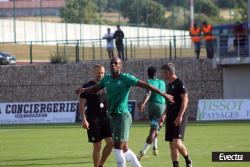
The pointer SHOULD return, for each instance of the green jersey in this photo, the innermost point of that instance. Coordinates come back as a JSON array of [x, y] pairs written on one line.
[[155, 97], [118, 91]]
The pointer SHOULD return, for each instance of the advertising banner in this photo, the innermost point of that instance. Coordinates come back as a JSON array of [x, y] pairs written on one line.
[[38, 112], [223, 109]]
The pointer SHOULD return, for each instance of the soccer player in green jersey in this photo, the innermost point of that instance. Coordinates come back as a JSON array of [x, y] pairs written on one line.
[[118, 86], [156, 107]]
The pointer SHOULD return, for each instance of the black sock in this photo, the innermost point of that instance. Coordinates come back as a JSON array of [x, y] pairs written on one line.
[[100, 165], [175, 164], [187, 159]]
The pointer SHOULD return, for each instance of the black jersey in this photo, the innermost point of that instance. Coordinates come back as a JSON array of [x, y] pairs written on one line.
[[175, 89], [97, 104]]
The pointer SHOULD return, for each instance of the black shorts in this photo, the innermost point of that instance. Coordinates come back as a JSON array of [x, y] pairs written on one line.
[[174, 132], [99, 130]]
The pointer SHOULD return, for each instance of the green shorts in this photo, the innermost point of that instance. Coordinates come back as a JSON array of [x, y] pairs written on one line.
[[121, 124], [155, 111]]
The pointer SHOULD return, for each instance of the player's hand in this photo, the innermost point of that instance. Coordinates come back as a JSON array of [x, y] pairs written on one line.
[[169, 97], [82, 90], [77, 91], [85, 124], [178, 121], [141, 107]]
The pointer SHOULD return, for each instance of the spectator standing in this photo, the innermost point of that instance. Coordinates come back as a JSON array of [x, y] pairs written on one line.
[[110, 43], [119, 36], [195, 33], [209, 38]]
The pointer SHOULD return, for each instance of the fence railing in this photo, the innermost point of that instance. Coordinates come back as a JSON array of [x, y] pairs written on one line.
[[232, 46], [170, 47], [95, 49]]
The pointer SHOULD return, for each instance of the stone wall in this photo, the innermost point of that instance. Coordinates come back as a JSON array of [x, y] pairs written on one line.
[[49, 82]]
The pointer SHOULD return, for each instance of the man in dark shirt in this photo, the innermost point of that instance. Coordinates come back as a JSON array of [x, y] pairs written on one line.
[[96, 119], [118, 36], [175, 118]]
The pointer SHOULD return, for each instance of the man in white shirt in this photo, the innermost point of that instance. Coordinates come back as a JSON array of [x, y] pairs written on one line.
[[110, 43]]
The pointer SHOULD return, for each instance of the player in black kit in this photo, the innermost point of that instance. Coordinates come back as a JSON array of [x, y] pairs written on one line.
[[96, 119], [175, 117]]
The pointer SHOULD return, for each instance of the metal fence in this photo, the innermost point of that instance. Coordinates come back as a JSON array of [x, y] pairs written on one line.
[[233, 46], [170, 47]]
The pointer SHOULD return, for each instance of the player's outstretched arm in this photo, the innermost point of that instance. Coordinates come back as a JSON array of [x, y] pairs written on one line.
[[147, 86], [92, 89]]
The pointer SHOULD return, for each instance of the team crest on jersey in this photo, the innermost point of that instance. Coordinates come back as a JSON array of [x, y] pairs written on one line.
[[93, 138], [101, 105], [172, 87], [119, 82]]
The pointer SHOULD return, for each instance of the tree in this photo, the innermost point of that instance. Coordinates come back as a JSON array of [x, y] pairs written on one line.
[[113, 4], [226, 3], [199, 18], [102, 4], [79, 11], [178, 19], [144, 12], [206, 7], [172, 3], [242, 8]]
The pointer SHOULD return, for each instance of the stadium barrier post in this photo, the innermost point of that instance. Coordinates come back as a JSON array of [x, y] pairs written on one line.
[[134, 52], [175, 47], [170, 50], [93, 49], [101, 47], [77, 51], [31, 52], [150, 54], [131, 50], [57, 49], [165, 52]]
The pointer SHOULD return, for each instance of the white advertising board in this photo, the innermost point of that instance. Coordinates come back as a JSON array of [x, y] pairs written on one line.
[[38, 112], [223, 109]]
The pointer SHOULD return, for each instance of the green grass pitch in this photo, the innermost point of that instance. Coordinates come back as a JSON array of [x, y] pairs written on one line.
[[67, 146]]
